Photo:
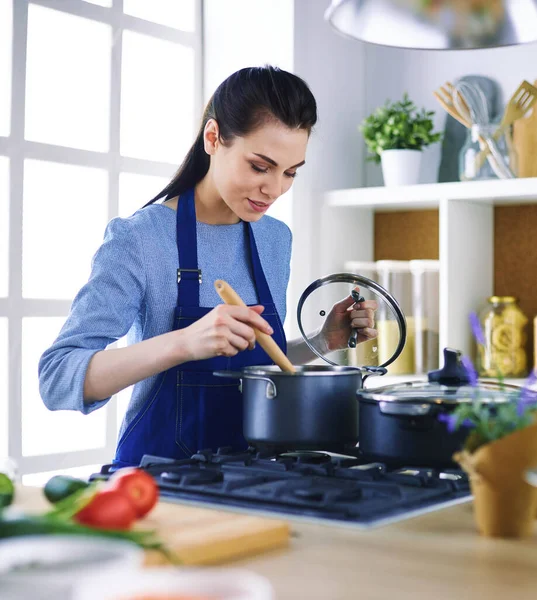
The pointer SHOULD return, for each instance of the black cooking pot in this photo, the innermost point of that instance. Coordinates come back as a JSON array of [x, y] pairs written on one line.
[[316, 408], [313, 409], [400, 423]]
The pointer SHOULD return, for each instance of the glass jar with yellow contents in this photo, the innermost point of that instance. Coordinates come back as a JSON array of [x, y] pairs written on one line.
[[503, 354]]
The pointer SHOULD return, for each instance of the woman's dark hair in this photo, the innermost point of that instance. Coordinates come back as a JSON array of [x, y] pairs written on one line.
[[241, 104]]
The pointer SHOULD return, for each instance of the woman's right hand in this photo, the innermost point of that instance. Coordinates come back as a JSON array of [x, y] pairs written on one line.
[[225, 331]]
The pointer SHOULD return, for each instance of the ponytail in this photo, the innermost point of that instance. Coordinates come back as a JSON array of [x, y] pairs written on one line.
[[192, 170]]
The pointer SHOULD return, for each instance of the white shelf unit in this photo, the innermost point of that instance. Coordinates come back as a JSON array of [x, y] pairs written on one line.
[[466, 238]]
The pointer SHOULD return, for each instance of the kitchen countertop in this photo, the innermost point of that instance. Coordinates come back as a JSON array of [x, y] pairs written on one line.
[[438, 555]]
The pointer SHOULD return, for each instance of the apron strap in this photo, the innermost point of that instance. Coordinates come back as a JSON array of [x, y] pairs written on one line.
[[263, 291], [188, 274]]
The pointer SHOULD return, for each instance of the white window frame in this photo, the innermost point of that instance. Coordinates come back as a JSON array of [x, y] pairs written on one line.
[[15, 307]]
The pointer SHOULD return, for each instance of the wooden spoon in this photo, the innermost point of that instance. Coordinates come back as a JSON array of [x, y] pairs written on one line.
[[230, 296]]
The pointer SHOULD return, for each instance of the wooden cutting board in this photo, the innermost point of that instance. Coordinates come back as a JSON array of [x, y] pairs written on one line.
[[525, 142], [201, 536]]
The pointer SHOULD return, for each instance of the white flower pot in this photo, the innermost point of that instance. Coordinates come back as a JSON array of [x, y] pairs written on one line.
[[400, 167]]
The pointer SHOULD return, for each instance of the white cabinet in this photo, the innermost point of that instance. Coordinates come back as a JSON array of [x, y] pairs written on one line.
[[466, 237]]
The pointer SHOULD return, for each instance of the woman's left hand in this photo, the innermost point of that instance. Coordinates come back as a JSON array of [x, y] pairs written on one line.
[[345, 316]]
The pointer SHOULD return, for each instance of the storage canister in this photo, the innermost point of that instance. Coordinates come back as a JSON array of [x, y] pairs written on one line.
[[396, 278], [426, 310], [504, 328]]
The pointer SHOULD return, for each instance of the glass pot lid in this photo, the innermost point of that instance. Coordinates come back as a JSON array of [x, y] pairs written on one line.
[[450, 384], [423, 392], [323, 297]]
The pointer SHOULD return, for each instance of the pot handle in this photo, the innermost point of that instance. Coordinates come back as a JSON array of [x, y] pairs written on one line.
[[373, 371], [229, 374], [406, 409], [271, 391]]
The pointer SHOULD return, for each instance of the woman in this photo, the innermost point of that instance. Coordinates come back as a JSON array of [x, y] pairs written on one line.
[[210, 226]]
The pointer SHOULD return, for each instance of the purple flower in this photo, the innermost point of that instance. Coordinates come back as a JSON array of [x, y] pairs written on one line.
[[470, 370], [528, 396], [451, 422], [477, 330]]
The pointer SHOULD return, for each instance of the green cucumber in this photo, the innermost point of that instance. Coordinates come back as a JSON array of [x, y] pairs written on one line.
[[60, 487], [7, 490], [15, 524]]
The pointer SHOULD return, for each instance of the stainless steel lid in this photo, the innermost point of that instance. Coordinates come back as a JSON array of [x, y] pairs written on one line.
[[425, 392], [320, 298], [449, 385]]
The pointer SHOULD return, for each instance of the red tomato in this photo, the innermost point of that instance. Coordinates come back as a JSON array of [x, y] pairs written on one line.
[[136, 485], [108, 509]]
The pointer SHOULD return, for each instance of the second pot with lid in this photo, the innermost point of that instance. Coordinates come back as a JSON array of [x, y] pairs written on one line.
[[400, 423]]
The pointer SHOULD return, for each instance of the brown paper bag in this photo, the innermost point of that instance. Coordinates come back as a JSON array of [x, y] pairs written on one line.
[[504, 504]]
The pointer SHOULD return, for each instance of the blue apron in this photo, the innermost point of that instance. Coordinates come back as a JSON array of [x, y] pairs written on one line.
[[188, 408]]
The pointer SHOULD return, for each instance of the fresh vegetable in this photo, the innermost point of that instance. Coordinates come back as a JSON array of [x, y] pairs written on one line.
[[14, 524], [7, 490], [20, 524], [60, 487], [128, 495], [136, 485], [108, 509], [92, 509]]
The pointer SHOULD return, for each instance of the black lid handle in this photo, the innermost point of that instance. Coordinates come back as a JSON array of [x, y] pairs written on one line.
[[453, 372]]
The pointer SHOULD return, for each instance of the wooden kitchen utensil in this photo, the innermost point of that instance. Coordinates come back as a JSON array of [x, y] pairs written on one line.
[[518, 106], [445, 96], [525, 143], [230, 296]]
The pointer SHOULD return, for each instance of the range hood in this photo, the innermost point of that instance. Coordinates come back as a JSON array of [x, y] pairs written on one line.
[[436, 24]]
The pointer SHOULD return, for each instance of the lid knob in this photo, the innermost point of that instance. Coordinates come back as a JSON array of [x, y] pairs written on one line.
[[453, 372]]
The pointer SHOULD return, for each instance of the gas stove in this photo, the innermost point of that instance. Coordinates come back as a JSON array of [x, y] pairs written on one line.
[[315, 486]]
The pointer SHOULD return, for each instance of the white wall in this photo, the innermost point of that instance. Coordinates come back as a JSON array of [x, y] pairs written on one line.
[[245, 33], [392, 71]]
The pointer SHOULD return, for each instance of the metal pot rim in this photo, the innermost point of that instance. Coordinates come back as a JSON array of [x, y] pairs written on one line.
[[305, 370]]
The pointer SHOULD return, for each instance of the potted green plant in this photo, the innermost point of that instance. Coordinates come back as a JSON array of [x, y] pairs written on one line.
[[395, 135], [500, 449]]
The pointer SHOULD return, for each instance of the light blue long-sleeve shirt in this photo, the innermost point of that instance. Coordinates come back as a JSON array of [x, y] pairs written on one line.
[[132, 290]]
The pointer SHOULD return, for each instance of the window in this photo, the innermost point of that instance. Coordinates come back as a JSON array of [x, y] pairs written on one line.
[[4, 225], [67, 93], [6, 31], [157, 116], [4, 385], [106, 97], [181, 15]]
